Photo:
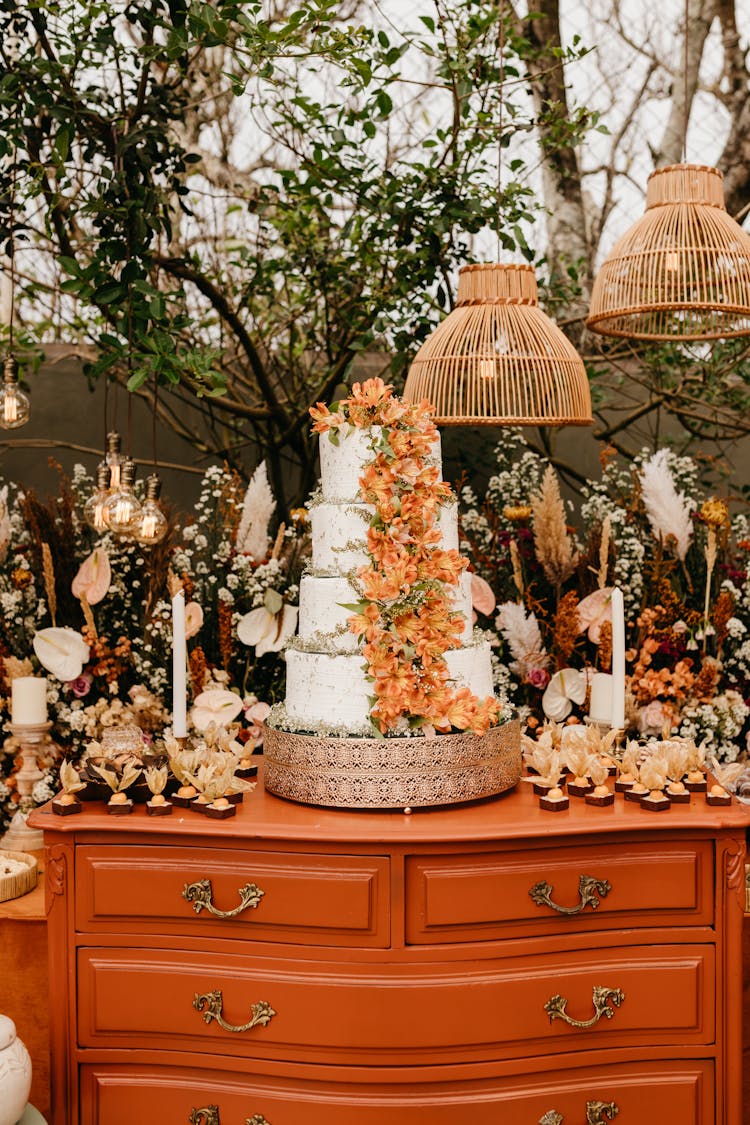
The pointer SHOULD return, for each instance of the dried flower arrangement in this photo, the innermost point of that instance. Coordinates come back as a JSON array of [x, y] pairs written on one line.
[[684, 567]]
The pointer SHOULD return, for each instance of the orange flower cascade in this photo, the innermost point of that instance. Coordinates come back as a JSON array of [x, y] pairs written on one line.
[[405, 616]]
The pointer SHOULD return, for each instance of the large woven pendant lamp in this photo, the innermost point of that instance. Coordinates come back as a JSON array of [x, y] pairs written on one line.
[[682, 271], [497, 359]]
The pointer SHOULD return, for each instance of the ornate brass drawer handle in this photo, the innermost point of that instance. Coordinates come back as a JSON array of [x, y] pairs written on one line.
[[601, 997], [597, 1113], [210, 1005], [588, 889], [209, 1115], [201, 892]]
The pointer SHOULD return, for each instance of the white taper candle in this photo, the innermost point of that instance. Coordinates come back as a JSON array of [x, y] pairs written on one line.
[[618, 660], [179, 666]]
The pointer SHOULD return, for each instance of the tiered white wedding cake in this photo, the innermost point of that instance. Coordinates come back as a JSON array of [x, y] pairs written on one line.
[[389, 696], [327, 685]]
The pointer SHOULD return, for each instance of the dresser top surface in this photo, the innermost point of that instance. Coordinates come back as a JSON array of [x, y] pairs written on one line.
[[511, 816]]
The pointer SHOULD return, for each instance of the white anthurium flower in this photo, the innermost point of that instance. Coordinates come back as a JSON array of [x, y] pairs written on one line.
[[215, 706], [62, 652], [566, 687], [265, 631]]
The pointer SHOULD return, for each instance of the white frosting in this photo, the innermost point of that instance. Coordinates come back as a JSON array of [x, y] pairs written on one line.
[[471, 667], [329, 689], [460, 598], [341, 465], [448, 524], [339, 534], [322, 618], [334, 689]]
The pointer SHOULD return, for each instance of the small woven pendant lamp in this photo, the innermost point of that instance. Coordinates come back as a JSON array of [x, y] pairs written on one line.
[[682, 271], [497, 359]]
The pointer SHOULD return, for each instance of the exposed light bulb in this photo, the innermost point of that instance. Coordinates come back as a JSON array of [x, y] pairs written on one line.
[[114, 459], [487, 369], [122, 509], [672, 261], [93, 509], [153, 523], [14, 404]]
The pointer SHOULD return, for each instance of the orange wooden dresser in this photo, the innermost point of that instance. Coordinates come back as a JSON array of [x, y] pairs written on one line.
[[494, 963]]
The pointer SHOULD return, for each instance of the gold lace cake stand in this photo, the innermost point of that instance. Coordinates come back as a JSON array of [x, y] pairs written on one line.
[[375, 773]]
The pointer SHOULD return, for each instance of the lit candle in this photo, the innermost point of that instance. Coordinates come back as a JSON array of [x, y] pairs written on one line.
[[618, 660], [179, 666], [28, 702], [600, 703]]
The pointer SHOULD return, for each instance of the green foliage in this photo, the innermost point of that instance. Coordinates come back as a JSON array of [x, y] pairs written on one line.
[[373, 172]]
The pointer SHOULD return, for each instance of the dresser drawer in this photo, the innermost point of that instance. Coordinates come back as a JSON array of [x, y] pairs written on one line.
[[367, 1013], [644, 1093], [273, 896], [495, 895]]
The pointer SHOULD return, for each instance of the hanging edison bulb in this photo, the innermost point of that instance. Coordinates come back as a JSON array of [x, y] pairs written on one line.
[[114, 459], [93, 509], [14, 404], [152, 526], [122, 510]]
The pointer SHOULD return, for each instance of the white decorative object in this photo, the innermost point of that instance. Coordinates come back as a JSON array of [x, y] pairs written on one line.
[[15, 1073], [179, 667], [63, 652], [257, 508], [600, 704], [617, 721], [566, 687], [267, 631], [28, 703], [215, 706]]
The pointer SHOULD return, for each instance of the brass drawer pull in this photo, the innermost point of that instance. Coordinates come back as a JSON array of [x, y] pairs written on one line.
[[601, 997], [209, 1115], [597, 1113], [588, 889], [210, 1005], [201, 892]]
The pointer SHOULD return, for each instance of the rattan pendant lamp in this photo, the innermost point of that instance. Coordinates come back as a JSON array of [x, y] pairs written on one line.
[[497, 359], [682, 271]]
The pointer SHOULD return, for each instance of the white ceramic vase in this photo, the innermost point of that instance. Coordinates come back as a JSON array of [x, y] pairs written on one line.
[[15, 1074]]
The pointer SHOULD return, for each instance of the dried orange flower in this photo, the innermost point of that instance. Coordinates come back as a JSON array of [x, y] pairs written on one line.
[[714, 512], [21, 578], [517, 513]]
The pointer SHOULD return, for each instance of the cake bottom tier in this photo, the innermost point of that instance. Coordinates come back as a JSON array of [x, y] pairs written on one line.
[[385, 773], [332, 691]]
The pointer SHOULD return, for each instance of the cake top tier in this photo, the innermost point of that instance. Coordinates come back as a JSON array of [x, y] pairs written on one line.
[[343, 460]]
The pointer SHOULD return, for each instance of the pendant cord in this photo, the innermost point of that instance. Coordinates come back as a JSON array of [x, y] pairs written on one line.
[[686, 63], [153, 419], [501, 81], [12, 243]]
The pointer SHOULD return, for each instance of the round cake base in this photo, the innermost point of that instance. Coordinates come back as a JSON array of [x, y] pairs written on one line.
[[389, 773]]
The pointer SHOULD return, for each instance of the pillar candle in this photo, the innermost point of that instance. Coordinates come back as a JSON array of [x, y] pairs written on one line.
[[179, 666], [600, 703], [618, 660], [28, 701]]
